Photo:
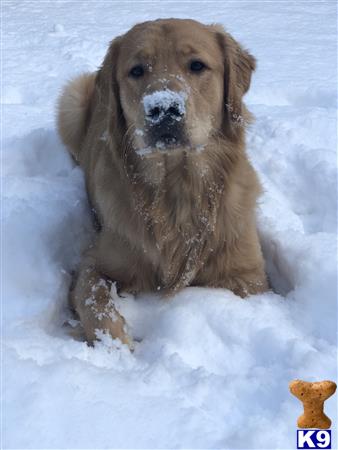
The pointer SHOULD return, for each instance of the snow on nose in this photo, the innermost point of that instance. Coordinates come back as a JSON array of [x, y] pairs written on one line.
[[164, 103]]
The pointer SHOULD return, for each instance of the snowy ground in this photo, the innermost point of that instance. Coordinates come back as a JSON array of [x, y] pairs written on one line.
[[211, 371]]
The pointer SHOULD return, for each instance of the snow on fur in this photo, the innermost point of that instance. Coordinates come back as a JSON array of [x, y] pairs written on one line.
[[163, 100]]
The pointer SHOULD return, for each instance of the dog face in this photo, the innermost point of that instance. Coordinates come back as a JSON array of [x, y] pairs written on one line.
[[176, 83]]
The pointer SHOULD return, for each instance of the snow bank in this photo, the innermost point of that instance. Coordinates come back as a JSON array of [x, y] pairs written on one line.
[[209, 370]]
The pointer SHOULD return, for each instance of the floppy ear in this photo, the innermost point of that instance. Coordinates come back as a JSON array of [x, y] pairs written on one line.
[[108, 90], [238, 67]]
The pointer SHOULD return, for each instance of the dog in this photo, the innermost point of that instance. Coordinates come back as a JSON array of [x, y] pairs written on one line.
[[159, 131]]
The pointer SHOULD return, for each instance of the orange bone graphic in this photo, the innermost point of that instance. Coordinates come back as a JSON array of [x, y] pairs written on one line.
[[313, 396]]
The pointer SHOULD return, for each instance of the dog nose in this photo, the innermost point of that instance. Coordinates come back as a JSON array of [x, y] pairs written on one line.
[[159, 113], [164, 116], [165, 105]]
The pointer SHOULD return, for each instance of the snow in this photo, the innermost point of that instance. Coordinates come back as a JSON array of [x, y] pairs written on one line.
[[209, 370]]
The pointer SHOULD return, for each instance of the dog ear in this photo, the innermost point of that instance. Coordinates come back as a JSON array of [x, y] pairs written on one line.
[[108, 90], [238, 67]]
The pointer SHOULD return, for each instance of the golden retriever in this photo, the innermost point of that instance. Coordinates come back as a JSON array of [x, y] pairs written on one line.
[[159, 131]]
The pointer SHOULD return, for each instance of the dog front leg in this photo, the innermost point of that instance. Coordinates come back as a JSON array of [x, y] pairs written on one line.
[[247, 283], [92, 301]]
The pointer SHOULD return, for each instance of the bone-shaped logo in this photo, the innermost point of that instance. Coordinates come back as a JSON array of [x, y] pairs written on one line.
[[313, 396]]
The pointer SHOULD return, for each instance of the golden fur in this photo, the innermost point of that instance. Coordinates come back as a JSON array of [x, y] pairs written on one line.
[[173, 216]]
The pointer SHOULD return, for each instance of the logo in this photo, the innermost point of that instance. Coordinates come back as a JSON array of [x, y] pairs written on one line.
[[313, 423], [313, 438]]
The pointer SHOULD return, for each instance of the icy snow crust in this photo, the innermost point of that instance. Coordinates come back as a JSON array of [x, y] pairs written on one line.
[[212, 370]]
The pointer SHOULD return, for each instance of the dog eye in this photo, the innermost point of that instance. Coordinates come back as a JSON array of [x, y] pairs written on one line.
[[197, 66], [137, 71]]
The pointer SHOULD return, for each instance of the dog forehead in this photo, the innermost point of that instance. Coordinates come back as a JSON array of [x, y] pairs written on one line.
[[183, 36]]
